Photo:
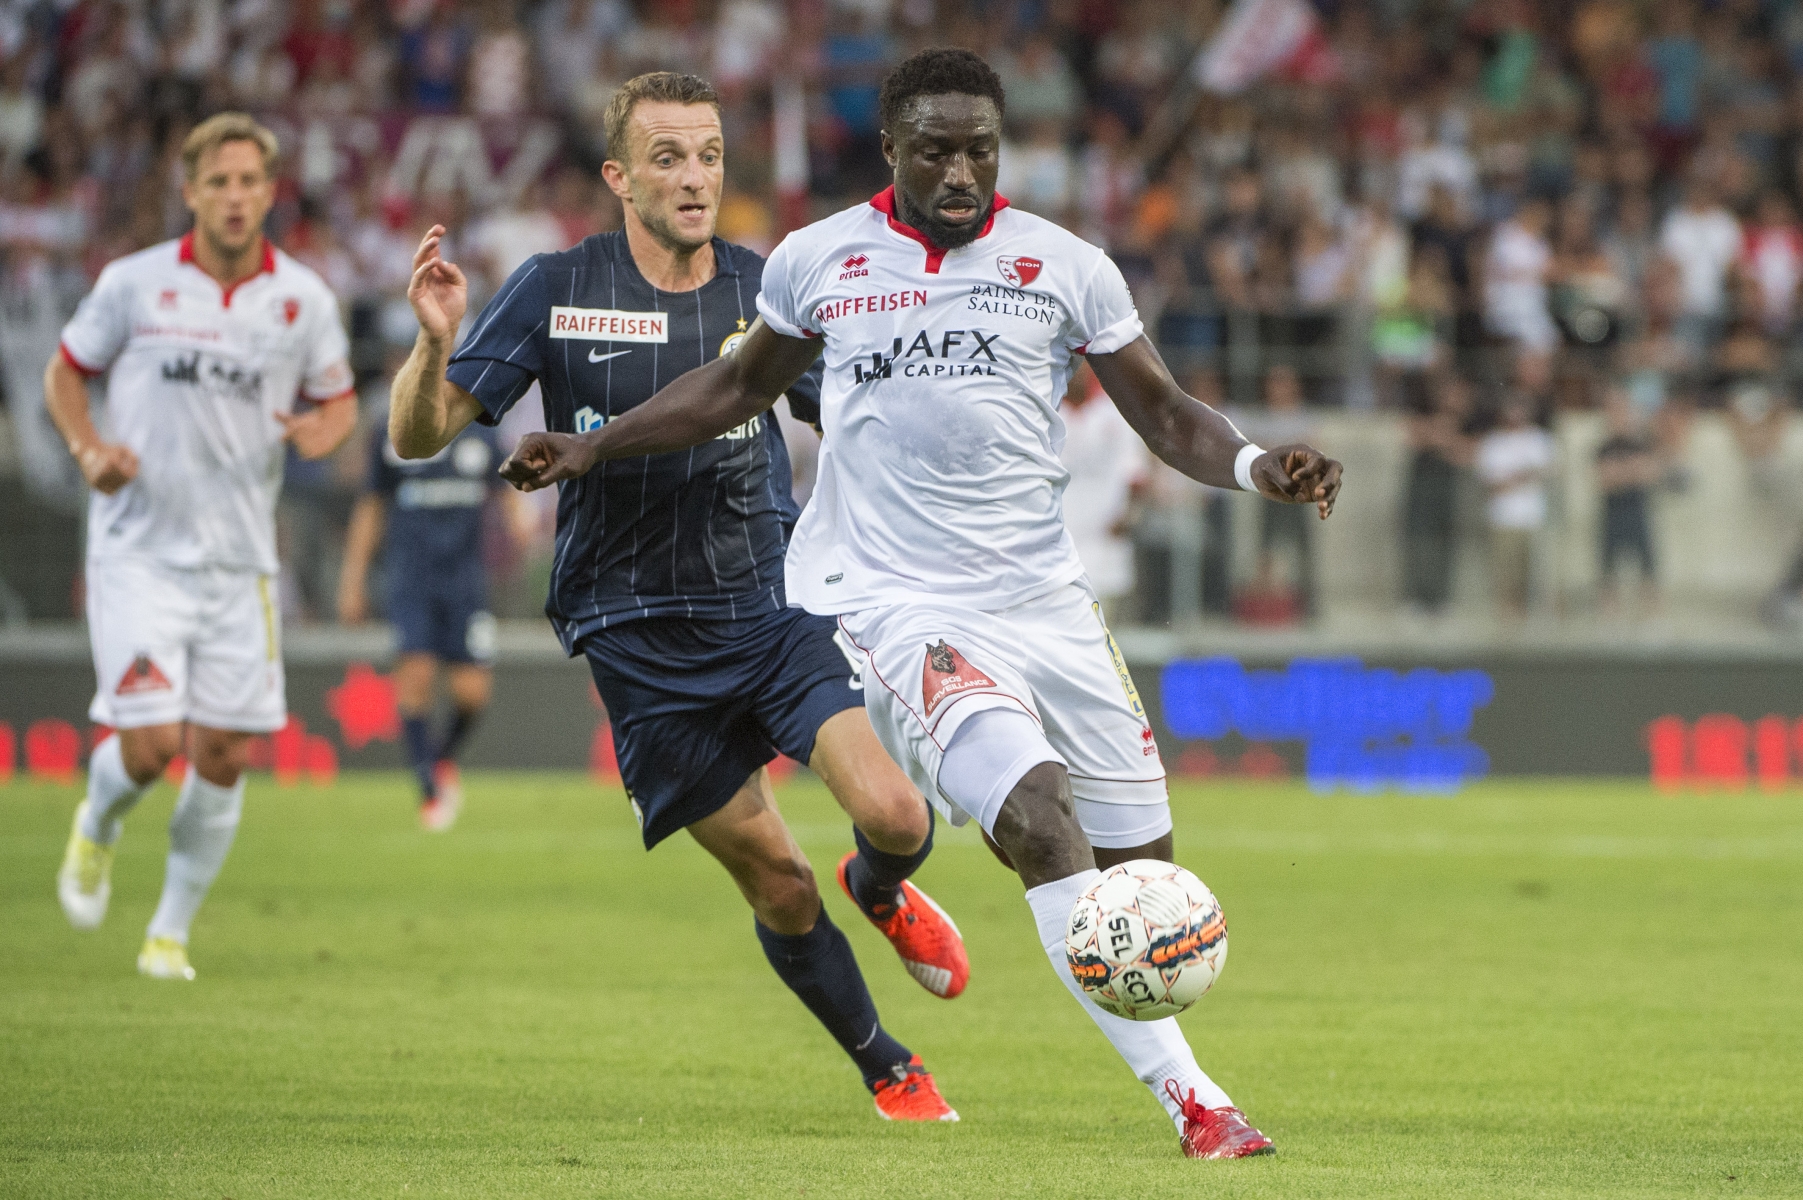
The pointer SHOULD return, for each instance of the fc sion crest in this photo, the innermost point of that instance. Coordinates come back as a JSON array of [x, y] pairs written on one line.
[[1019, 270]]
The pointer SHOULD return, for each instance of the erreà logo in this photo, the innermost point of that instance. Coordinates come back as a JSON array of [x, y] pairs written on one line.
[[854, 266], [609, 325], [1019, 270]]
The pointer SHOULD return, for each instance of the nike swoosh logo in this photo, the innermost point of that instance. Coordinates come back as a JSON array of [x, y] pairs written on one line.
[[593, 357]]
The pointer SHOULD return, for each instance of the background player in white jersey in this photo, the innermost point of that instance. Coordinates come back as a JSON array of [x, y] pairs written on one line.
[[950, 324], [209, 343]]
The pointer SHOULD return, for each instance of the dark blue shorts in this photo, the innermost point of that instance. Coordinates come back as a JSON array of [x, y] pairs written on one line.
[[442, 613], [697, 706]]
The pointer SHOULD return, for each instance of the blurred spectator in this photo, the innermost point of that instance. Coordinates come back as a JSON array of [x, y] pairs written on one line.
[[21, 113], [1036, 173], [1627, 467], [1772, 257], [569, 35], [1588, 295], [1430, 162], [1513, 461], [1703, 239], [1632, 242], [1657, 362], [434, 57], [510, 237], [1516, 271], [1107, 462], [1284, 588], [1040, 84], [1234, 238], [500, 64], [1440, 452], [1444, 228]]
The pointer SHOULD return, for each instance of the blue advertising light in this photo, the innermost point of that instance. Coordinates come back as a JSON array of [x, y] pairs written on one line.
[[1365, 728]]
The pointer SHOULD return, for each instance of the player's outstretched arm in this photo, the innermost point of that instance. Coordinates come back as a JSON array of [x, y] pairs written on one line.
[[425, 410], [1201, 442], [694, 408]]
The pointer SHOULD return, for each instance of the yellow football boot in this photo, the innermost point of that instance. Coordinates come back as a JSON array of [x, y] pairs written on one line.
[[85, 882], [164, 958]]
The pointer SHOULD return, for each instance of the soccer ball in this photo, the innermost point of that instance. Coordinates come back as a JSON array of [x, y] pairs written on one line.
[[1146, 940]]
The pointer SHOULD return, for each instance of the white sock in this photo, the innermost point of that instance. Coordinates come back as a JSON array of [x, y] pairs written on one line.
[[111, 793], [1156, 1050], [200, 832]]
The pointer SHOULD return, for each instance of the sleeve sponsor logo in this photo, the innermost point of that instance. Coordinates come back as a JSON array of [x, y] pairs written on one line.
[[609, 325]]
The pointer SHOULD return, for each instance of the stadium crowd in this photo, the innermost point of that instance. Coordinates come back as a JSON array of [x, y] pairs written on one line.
[[1478, 215]]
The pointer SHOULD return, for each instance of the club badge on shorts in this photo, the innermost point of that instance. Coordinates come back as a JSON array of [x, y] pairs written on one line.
[[947, 674], [142, 676]]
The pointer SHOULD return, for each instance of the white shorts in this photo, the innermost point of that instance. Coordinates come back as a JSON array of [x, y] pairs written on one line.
[[928, 668], [173, 644]]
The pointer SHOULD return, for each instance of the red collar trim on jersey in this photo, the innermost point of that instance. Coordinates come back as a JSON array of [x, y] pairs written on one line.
[[884, 202], [185, 253]]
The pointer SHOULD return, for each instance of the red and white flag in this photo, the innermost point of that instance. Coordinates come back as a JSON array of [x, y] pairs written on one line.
[[1261, 36]]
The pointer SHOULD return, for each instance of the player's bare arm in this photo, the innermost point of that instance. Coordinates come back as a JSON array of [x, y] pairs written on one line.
[[321, 429], [1199, 441], [360, 542], [426, 410], [695, 407], [107, 466]]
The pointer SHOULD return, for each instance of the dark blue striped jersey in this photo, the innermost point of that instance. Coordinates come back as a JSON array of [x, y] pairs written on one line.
[[698, 533]]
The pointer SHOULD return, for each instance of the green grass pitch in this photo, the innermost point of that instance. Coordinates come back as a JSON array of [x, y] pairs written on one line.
[[1530, 989]]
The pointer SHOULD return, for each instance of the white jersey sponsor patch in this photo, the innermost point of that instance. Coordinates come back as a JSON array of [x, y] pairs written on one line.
[[609, 325]]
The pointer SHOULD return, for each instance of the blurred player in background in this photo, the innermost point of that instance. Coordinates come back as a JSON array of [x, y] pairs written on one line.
[[668, 574], [1107, 465], [437, 593], [950, 324], [213, 343]]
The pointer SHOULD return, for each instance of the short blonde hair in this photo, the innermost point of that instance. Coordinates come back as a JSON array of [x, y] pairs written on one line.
[[221, 128], [669, 87]]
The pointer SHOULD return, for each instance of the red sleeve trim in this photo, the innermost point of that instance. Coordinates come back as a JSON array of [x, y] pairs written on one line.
[[83, 368]]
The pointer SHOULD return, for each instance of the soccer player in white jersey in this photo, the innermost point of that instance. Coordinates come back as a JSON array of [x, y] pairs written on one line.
[[950, 324], [210, 345]]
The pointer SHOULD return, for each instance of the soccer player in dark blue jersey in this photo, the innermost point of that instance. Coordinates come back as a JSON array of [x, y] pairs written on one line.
[[437, 595], [668, 570]]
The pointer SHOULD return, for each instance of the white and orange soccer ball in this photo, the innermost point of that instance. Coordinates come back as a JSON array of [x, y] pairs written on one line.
[[1146, 940]]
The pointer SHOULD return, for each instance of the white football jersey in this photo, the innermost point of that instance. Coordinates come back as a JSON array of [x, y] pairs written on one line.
[[198, 373], [939, 475]]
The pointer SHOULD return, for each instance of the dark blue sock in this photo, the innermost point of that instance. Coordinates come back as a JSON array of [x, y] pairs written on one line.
[[820, 968], [463, 723], [419, 751], [875, 876]]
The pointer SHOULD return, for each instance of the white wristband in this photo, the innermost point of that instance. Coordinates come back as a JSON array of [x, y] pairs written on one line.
[[1242, 466]]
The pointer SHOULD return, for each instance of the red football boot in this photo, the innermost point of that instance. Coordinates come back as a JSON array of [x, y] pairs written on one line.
[[930, 945], [912, 1096], [1216, 1132]]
